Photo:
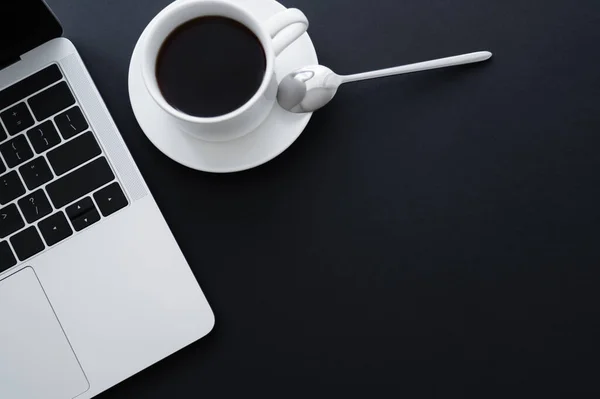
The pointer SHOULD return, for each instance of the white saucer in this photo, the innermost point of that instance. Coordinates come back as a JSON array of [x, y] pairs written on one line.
[[274, 136]]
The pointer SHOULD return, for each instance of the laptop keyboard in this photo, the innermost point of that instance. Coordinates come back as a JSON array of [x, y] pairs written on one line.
[[55, 180]]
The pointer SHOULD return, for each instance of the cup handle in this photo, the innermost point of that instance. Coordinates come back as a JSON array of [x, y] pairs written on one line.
[[286, 27]]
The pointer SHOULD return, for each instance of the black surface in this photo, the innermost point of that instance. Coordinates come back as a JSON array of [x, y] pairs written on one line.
[[35, 206], [25, 24], [16, 151], [27, 243], [71, 122], [35, 173], [10, 220], [431, 235], [12, 187], [110, 199], [3, 137], [43, 137], [29, 85], [17, 118], [80, 207], [51, 101], [55, 228], [73, 153], [7, 258], [86, 220], [80, 182]]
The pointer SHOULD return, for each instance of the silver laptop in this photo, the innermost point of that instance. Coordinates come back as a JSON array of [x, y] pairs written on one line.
[[93, 287]]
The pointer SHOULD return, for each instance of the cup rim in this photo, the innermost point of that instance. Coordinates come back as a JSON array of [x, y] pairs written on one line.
[[149, 65]]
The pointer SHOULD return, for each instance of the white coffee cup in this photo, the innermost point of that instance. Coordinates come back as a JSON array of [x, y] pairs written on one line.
[[275, 35]]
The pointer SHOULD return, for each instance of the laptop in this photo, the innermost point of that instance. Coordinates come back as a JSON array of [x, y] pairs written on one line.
[[93, 286]]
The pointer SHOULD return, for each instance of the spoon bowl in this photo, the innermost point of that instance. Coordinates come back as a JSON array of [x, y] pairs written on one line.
[[307, 89], [311, 88]]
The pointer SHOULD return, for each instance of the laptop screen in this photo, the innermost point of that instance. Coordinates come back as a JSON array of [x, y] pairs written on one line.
[[24, 25]]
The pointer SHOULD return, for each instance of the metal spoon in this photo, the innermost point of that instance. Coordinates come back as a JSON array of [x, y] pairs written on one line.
[[310, 88]]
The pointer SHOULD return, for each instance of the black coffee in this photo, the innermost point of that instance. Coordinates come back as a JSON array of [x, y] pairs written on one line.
[[210, 66]]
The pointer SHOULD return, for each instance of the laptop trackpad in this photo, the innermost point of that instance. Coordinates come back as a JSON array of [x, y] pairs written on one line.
[[36, 360]]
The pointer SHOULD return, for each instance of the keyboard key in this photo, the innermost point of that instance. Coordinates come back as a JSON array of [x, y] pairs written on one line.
[[10, 220], [55, 228], [110, 199], [16, 151], [3, 135], [43, 137], [79, 208], [27, 243], [35, 206], [74, 153], [7, 258], [2, 167], [82, 181], [51, 101], [17, 118], [10, 187], [29, 85], [36, 173], [71, 122], [86, 220]]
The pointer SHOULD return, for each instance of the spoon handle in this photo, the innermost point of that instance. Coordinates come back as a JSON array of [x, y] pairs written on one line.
[[420, 66]]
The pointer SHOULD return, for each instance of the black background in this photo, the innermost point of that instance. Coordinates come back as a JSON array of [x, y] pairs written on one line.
[[431, 235], [24, 24]]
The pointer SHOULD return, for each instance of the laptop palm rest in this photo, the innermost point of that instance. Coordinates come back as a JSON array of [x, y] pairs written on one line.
[[36, 360]]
